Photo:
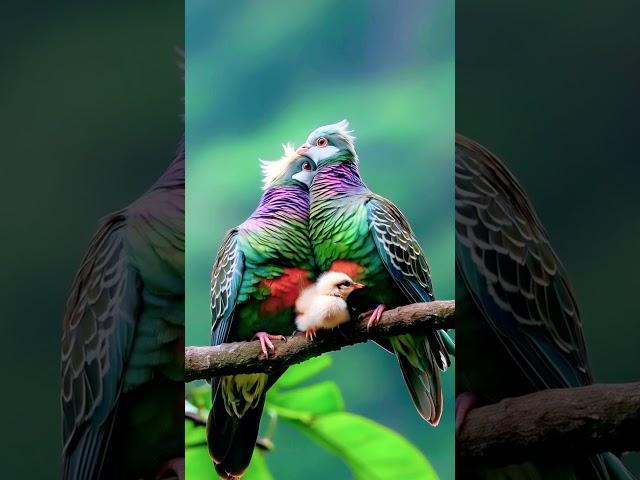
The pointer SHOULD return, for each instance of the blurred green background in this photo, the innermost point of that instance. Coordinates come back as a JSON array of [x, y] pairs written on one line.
[[552, 89], [91, 105], [260, 74]]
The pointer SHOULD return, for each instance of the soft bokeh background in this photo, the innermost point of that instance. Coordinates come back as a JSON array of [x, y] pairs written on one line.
[[552, 90], [260, 74], [91, 106]]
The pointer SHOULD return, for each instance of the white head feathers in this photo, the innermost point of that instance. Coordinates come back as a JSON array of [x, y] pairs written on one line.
[[274, 170]]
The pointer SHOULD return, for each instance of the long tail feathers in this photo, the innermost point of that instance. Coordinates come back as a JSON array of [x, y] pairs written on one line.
[[231, 439], [421, 359]]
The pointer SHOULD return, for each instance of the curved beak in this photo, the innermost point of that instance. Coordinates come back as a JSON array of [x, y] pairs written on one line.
[[358, 285], [302, 149]]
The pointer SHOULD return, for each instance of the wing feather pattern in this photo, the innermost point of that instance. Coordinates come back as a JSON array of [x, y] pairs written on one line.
[[99, 326], [513, 274], [420, 356], [400, 250], [226, 278]]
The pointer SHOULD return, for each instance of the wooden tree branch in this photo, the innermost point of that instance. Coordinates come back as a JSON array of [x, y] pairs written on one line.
[[552, 423], [246, 357]]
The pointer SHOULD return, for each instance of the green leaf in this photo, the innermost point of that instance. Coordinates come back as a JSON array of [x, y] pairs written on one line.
[[200, 396], [258, 469], [193, 434], [370, 450], [198, 464], [323, 397], [197, 460], [303, 371]]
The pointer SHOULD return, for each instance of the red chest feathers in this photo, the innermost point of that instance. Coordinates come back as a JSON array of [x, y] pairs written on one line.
[[284, 290], [352, 269]]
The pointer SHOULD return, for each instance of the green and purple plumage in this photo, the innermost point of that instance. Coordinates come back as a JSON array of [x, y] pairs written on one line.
[[261, 268], [362, 234]]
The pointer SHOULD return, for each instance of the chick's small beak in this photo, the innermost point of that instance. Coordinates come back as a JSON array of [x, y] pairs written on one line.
[[302, 149], [358, 285]]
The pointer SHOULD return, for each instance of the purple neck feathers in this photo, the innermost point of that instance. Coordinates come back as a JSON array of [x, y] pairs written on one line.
[[337, 180], [281, 204]]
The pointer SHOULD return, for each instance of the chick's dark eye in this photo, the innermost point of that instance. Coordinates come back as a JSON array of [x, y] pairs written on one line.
[[321, 142], [307, 166]]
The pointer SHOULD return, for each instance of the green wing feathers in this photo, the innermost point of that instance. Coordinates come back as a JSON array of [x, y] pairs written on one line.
[[226, 278], [421, 357], [399, 249]]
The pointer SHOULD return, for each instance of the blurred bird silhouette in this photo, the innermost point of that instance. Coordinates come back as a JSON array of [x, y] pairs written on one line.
[[122, 358], [123, 340], [517, 320]]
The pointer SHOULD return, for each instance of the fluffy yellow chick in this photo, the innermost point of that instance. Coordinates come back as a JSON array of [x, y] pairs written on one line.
[[323, 304]]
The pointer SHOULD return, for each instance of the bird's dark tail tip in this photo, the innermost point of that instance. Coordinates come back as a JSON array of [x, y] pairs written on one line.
[[230, 439], [224, 475]]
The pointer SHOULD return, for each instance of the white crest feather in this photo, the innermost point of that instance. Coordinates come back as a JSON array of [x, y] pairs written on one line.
[[341, 129], [274, 170]]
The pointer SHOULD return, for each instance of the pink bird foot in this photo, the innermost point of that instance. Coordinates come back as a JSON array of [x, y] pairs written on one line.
[[265, 342], [465, 402], [172, 470], [310, 333], [374, 315]]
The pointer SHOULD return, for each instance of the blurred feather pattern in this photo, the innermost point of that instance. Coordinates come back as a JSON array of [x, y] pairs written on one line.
[[518, 318], [124, 327], [514, 274]]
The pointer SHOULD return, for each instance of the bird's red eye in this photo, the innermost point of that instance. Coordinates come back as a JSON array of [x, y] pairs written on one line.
[[307, 166], [321, 142]]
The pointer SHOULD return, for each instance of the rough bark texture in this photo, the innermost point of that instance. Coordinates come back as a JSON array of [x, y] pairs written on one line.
[[246, 357], [558, 422]]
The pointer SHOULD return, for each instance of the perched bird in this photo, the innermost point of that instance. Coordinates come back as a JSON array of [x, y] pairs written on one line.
[[518, 319], [122, 365], [324, 304], [259, 272], [365, 236]]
